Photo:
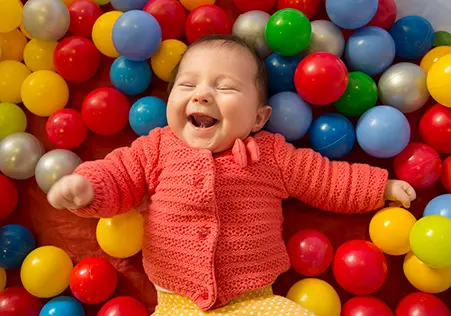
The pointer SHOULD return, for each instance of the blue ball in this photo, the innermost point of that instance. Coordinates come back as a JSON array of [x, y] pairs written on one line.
[[62, 306], [16, 242], [136, 35], [370, 50], [146, 114], [291, 116], [281, 71], [440, 205], [383, 131], [130, 77], [332, 135], [127, 5], [413, 36], [351, 14]]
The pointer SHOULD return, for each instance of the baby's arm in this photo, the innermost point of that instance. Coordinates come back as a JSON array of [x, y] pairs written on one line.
[[110, 186]]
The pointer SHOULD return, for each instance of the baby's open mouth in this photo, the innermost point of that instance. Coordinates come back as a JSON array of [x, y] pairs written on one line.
[[202, 121]]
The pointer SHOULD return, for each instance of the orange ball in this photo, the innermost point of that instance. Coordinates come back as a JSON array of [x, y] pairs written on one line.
[[190, 5], [12, 45]]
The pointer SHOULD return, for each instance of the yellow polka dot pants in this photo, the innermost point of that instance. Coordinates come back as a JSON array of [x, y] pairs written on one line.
[[258, 303]]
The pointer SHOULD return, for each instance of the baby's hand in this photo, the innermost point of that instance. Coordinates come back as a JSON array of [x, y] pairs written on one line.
[[399, 192], [71, 192]]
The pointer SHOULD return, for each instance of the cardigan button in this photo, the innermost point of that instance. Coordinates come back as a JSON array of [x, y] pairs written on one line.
[[195, 180], [204, 232], [204, 295]]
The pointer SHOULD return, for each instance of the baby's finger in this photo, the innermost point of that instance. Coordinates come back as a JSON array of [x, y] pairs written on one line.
[[394, 204], [411, 192]]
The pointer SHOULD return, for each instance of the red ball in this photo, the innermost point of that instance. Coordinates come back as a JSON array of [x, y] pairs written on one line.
[[308, 7], [359, 267], [76, 59], [93, 280], [123, 306], [15, 301], [366, 306], [321, 78], [65, 129], [83, 15], [205, 20], [385, 15], [250, 5], [421, 304], [171, 16], [105, 111], [310, 252], [435, 128], [445, 177], [9, 196], [418, 164]]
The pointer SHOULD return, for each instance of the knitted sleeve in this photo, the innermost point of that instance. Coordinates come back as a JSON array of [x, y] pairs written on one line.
[[329, 185], [122, 178]]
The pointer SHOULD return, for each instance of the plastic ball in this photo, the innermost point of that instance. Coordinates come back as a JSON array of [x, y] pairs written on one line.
[[10, 15], [83, 16], [430, 241], [54, 165], [130, 77], [45, 272], [390, 230], [359, 267], [425, 278], [44, 92], [351, 14], [413, 36], [370, 50], [385, 14], [288, 32], [102, 2], [146, 114], [421, 304], [16, 242], [65, 129], [93, 280], [321, 78], [16, 301], [326, 37], [291, 116], [46, 20], [316, 295], [3, 279], [440, 205], [12, 76], [12, 119], [38, 55], [310, 252], [308, 7], [62, 306], [251, 5], [433, 56], [366, 306], [12, 45], [123, 305], [9, 198], [105, 111], [206, 20], [171, 16], [122, 235], [190, 5], [383, 131], [281, 71], [445, 177], [76, 59], [435, 128], [418, 164], [102, 33], [167, 57], [127, 5], [442, 38], [438, 81]]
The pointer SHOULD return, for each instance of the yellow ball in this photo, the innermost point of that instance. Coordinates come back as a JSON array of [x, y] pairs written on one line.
[[102, 33], [317, 296], [3, 279], [38, 55], [12, 75], [390, 230], [166, 58], [13, 44], [10, 15], [190, 5], [433, 56], [439, 80], [102, 2], [425, 278], [67, 2], [45, 272], [44, 92], [122, 235], [12, 119]]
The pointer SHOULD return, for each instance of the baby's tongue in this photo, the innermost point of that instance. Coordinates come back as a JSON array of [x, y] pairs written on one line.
[[204, 121]]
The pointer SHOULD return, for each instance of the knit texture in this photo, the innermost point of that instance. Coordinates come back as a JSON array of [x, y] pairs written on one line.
[[214, 226]]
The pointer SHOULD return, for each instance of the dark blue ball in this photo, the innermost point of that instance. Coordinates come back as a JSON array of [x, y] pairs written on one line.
[[16, 242], [281, 72]]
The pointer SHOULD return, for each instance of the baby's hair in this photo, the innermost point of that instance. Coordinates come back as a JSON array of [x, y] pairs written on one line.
[[261, 79]]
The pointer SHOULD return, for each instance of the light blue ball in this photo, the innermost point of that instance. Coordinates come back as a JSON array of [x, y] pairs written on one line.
[[440, 205], [130, 77], [351, 14], [127, 5], [146, 114], [62, 306]]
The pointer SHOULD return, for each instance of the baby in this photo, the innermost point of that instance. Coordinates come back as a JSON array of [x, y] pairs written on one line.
[[213, 233]]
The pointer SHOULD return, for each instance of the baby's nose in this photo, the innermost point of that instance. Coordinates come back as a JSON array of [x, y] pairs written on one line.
[[202, 98]]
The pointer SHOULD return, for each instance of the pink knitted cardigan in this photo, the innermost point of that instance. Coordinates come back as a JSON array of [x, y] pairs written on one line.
[[214, 226]]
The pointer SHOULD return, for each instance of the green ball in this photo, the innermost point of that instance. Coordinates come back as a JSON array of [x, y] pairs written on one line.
[[288, 32], [442, 38], [360, 95]]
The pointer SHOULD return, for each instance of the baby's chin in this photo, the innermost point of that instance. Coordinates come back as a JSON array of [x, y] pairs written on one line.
[[213, 143]]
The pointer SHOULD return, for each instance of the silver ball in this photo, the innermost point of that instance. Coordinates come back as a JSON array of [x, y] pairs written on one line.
[[326, 37], [46, 20], [19, 154], [250, 27], [53, 166], [403, 86]]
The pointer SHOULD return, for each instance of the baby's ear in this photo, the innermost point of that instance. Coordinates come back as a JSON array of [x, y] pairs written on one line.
[[263, 114]]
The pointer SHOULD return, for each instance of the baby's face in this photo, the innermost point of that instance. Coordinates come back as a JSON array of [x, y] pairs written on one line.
[[215, 99]]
